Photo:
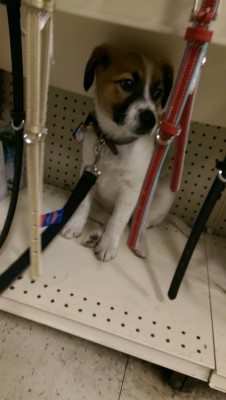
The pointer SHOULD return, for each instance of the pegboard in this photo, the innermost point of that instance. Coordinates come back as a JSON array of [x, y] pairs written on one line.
[[63, 156], [66, 110]]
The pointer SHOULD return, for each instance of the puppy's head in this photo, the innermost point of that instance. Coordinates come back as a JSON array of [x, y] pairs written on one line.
[[131, 89]]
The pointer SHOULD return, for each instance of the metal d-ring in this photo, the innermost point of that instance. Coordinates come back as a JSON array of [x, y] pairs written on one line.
[[220, 176], [19, 127], [168, 141], [163, 142]]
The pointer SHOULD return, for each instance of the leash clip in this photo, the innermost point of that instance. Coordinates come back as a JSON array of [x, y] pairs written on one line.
[[98, 152]]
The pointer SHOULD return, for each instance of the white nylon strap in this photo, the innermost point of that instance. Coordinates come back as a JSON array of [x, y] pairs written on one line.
[[39, 51]]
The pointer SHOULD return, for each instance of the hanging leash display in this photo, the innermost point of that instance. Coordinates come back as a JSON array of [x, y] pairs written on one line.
[[176, 120], [213, 196], [84, 185], [38, 56], [17, 114]]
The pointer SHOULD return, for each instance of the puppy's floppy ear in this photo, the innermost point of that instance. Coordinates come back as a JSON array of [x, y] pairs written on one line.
[[99, 56], [167, 82]]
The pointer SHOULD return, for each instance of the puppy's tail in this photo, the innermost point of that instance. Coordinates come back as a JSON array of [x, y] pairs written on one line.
[[179, 224]]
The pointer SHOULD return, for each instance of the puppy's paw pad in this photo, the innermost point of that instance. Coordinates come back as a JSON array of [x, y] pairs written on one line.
[[92, 240]]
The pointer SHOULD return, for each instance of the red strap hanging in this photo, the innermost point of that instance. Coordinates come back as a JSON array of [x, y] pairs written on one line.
[[180, 103]]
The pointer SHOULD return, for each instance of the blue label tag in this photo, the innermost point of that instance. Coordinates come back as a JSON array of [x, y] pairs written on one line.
[[52, 218]]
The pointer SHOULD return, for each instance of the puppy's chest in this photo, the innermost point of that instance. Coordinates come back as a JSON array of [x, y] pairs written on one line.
[[123, 171]]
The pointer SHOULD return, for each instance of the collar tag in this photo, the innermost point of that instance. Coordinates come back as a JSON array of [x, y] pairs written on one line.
[[79, 132]]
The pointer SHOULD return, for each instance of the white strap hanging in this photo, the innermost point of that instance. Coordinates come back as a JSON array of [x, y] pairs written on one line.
[[38, 57]]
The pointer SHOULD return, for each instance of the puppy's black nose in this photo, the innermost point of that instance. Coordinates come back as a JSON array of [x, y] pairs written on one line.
[[147, 121]]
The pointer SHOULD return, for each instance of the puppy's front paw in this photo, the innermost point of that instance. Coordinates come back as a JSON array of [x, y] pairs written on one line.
[[71, 231], [105, 250]]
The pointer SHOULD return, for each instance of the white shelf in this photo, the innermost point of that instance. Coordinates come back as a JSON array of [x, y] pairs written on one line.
[[162, 16], [156, 27], [122, 304]]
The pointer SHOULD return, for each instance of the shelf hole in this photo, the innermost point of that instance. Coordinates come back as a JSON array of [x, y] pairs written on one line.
[[139, 317], [25, 291], [84, 298], [183, 333], [168, 327], [168, 340], [58, 290], [152, 335], [12, 287], [20, 277], [33, 281], [112, 308], [39, 296], [137, 330], [126, 312], [52, 301], [94, 315], [71, 294], [198, 351], [65, 305], [45, 286], [198, 337], [154, 322], [80, 310], [98, 303], [183, 346], [123, 325], [108, 320]]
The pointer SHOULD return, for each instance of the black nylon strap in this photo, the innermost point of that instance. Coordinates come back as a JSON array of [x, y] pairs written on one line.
[[83, 186], [213, 196], [11, 3], [13, 12]]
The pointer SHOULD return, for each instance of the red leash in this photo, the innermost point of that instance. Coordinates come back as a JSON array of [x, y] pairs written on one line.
[[175, 122]]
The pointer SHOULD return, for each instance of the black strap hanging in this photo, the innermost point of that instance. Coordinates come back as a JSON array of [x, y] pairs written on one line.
[[18, 115], [87, 180], [210, 201]]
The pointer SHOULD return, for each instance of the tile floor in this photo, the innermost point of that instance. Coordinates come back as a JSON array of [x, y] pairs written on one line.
[[37, 362]]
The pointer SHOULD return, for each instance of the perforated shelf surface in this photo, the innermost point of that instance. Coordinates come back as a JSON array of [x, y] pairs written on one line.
[[122, 304]]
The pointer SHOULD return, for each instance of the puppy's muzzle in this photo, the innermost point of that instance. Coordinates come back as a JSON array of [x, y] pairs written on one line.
[[147, 121]]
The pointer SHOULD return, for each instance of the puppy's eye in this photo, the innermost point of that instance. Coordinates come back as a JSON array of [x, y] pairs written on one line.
[[156, 93], [126, 84]]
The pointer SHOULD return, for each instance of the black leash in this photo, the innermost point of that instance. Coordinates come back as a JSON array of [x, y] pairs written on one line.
[[18, 114], [87, 180], [213, 196]]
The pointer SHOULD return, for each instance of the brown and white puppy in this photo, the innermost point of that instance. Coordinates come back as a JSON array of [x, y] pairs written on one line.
[[131, 92]]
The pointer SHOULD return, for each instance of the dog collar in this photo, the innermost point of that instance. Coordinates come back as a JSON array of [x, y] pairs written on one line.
[[112, 144]]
